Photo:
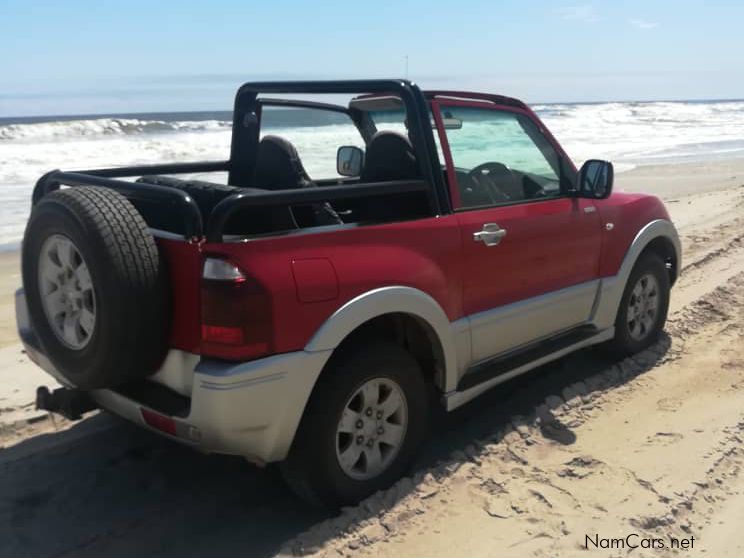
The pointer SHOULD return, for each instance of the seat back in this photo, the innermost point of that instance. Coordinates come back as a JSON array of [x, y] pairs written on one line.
[[390, 156], [278, 167]]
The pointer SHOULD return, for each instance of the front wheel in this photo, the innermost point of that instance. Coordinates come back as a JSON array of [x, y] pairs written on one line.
[[364, 422], [643, 307]]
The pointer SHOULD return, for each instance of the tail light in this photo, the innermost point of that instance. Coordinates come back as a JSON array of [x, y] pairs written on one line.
[[159, 422], [216, 269], [235, 312]]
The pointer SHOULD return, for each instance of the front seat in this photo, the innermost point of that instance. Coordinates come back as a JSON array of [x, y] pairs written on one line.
[[390, 156], [278, 167]]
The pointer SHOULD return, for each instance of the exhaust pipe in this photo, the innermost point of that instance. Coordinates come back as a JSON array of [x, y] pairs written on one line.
[[70, 403]]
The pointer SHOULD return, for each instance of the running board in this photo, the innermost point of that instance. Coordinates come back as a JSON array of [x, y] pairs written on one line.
[[484, 375]]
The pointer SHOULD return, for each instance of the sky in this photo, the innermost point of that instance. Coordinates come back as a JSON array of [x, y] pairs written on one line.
[[85, 56]]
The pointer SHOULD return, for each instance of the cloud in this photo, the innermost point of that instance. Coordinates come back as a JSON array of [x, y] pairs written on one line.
[[643, 24], [585, 13]]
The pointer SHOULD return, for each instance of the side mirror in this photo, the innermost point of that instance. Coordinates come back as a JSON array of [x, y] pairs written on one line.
[[349, 160], [595, 179]]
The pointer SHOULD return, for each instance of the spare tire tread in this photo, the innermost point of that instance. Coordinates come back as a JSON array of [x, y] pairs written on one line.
[[120, 221], [132, 302], [208, 188]]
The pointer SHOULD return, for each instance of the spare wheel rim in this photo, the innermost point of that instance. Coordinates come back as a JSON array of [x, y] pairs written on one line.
[[67, 293]]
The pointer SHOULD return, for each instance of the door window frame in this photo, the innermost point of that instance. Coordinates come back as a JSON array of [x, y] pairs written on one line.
[[564, 161]]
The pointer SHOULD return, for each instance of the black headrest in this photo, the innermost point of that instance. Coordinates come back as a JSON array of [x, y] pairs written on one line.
[[278, 166], [390, 156]]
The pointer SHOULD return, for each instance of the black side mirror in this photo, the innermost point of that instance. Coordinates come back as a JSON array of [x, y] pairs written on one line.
[[595, 179], [349, 160]]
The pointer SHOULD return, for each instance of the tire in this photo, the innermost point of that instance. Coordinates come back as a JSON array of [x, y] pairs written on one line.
[[87, 252], [632, 335], [313, 469], [205, 194]]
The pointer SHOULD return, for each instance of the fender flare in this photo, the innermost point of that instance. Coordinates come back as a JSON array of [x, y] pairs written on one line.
[[387, 300], [653, 230], [612, 287]]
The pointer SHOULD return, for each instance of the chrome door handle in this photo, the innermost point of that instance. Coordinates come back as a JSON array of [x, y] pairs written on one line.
[[490, 235]]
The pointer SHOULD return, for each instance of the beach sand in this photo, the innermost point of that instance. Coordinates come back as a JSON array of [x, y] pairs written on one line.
[[587, 446], [672, 181], [10, 280]]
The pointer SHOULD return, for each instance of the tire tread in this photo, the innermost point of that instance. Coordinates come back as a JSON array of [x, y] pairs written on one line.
[[117, 237]]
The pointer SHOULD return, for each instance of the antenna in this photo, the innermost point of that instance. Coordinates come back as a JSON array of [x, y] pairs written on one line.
[[406, 59]]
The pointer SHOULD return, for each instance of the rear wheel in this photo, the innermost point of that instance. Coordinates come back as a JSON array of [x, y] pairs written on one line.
[[643, 307], [364, 422]]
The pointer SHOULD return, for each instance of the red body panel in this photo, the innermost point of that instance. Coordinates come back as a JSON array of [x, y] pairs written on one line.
[[315, 280], [184, 262], [549, 245], [628, 213], [424, 254]]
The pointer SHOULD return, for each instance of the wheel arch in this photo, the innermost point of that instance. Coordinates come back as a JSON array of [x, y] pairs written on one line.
[[663, 247], [406, 315], [660, 237]]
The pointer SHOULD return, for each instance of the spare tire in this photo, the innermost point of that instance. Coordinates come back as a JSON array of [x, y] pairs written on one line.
[[95, 286]]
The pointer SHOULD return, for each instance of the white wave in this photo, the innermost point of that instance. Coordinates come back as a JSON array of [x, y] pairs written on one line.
[[102, 127], [643, 132]]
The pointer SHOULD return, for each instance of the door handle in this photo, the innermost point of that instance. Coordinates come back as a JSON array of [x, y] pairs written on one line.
[[490, 235]]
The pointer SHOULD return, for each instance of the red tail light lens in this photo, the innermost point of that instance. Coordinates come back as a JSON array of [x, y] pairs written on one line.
[[158, 421], [222, 334], [235, 313]]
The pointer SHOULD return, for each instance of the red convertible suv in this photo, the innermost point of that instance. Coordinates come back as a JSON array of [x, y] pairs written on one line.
[[309, 318]]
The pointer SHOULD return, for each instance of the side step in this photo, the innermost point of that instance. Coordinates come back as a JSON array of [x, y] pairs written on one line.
[[70, 403], [492, 372], [492, 368]]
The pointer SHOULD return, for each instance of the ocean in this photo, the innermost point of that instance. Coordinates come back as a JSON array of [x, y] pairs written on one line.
[[629, 134]]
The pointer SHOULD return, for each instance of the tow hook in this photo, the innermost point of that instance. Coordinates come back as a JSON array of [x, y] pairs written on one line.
[[70, 403]]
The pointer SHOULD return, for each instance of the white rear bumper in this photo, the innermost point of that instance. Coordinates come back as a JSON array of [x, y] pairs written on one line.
[[250, 409]]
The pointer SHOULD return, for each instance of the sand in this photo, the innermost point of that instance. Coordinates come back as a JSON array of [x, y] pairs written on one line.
[[10, 280], [585, 449]]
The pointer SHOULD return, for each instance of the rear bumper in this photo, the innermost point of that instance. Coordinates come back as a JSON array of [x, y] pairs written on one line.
[[250, 409]]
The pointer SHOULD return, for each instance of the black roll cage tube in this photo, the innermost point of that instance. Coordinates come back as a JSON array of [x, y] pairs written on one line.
[[245, 136]]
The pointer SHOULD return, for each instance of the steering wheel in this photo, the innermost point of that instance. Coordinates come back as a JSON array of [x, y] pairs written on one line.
[[485, 175]]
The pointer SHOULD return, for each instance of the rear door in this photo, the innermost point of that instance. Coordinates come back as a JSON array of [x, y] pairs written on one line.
[[530, 252]]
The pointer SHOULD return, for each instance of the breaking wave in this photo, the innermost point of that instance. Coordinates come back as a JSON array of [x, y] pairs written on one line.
[[102, 127]]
